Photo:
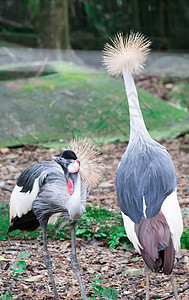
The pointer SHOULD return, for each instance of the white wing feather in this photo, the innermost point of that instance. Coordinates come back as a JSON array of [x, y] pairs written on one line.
[[130, 231], [21, 203], [171, 210]]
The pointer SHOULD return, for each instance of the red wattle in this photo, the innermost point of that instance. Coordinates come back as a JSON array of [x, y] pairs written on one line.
[[70, 187]]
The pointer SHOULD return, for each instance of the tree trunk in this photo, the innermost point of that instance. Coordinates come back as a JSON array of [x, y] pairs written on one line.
[[136, 15], [53, 24]]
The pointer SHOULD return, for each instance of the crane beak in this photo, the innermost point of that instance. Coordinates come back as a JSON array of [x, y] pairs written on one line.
[[59, 160]]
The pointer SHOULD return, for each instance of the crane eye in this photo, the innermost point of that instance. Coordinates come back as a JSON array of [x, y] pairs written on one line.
[[74, 166]]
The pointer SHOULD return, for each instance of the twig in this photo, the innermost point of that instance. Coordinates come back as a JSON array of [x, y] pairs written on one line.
[[10, 53], [42, 67], [164, 297], [15, 24], [4, 188]]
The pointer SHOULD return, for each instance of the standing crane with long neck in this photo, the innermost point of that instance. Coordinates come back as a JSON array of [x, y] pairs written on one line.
[[59, 186], [146, 179]]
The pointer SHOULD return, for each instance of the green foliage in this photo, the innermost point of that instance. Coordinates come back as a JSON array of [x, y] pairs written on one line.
[[32, 9], [179, 94], [100, 109], [117, 237], [99, 291], [96, 223], [22, 255], [110, 294], [92, 22], [20, 265], [102, 224], [6, 296], [97, 288], [185, 238]]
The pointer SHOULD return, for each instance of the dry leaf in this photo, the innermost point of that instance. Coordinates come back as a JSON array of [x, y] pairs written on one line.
[[5, 150], [2, 258], [143, 283], [36, 278]]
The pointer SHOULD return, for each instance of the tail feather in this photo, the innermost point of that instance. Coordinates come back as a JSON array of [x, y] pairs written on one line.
[[27, 222], [157, 246]]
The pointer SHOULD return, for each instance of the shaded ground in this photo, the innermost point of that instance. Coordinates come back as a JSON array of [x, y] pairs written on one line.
[[94, 260], [94, 257]]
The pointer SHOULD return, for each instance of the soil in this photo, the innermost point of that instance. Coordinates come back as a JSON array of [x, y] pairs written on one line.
[[117, 268]]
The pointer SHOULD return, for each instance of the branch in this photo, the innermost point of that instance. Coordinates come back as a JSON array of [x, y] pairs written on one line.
[[164, 297], [4, 188], [15, 24]]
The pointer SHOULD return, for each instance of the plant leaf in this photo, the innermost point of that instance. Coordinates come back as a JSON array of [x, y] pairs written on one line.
[[110, 294], [6, 296], [22, 255]]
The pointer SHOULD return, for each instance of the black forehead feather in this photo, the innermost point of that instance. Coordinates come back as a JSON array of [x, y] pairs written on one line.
[[68, 154]]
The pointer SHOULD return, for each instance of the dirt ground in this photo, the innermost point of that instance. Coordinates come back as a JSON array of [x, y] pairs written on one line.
[[117, 268]]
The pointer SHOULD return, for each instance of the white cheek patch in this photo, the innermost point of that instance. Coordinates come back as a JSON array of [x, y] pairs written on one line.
[[73, 167]]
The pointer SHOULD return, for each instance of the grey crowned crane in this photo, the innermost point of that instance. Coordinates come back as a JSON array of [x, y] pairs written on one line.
[[146, 178], [59, 186]]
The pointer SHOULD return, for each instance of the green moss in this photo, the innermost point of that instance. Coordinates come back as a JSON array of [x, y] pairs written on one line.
[[179, 94], [73, 103]]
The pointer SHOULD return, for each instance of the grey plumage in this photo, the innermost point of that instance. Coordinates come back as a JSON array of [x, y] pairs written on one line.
[[146, 170], [51, 187], [146, 177], [52, 196]]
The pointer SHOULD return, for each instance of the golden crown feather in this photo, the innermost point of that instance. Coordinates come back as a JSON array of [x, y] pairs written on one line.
[[90, 158]]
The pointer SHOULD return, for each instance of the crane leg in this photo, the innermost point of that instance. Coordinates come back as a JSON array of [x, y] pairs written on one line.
[[48, 263], [75, 264], [146, 271], [174, 287]]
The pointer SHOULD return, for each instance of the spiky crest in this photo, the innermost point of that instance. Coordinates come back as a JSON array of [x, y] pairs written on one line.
[[90, 160], [127, 53]]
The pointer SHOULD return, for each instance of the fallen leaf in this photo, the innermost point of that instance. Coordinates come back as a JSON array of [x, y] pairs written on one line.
[[2, 258], [69, 93], [5, 150], [36, 278], [143, 283]]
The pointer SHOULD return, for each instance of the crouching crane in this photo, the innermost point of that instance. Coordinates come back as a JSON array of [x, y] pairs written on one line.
[[146, 178], [59, 186]]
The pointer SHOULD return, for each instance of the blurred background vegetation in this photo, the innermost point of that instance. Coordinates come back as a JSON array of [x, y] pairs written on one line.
[[60, 78], [87, 24]]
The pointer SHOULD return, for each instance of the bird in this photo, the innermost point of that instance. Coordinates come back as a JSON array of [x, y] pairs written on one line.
[[58, 186], [146, 180]]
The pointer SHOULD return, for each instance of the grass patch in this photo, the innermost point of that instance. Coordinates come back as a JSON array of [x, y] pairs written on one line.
[[96, 223], [79, 102], [179, 94]]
